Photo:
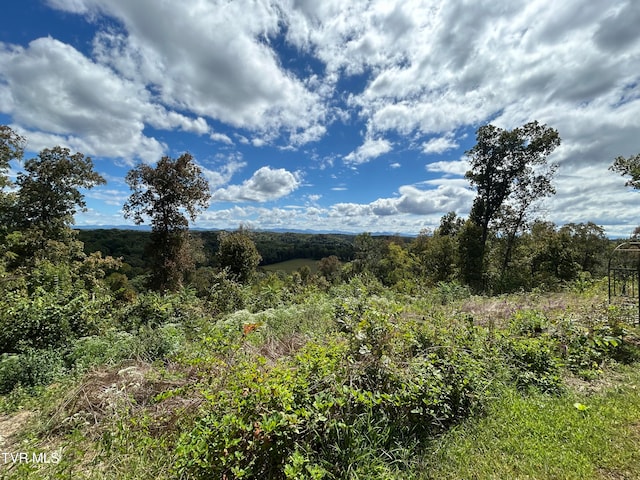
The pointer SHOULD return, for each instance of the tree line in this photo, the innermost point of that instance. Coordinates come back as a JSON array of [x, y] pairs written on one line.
[[501, 246]]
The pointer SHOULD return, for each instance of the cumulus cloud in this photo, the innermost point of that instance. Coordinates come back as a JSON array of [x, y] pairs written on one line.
[[370, 149], [109, 196], [59, 96], [223, 173], [405, 70], [411, 200], [439, 144], [211, 58], [266, 184], [221, 137], [454, 167]]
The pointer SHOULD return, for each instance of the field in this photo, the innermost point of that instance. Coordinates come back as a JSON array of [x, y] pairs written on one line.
[[354, 382], [291, 266]]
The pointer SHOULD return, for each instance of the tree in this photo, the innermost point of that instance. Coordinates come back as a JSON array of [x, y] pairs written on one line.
[[167, 194], [42, 211], [515, 213], [590, 245], [450, 225], [49, 190], [11, 147], [628, 167], [369, 252], [329, 267], [503, 167], [238, 254]]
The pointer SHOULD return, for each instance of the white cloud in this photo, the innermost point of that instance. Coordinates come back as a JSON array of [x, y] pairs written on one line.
[[58, 96], [211, 58], [266, 184], [443, 198], [454, 167], [221, 137], [223, 174], [439, 144], [370, 149], [421, 68], [109, 196]]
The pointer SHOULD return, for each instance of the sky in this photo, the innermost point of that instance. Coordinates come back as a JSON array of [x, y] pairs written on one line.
[[332, 115]]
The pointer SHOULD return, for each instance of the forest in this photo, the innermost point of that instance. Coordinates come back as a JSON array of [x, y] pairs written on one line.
[[484, 348]]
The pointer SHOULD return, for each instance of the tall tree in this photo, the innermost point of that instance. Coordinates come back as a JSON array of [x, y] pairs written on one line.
[[515, 214], [503, 167], [49, 192], [167, 194]]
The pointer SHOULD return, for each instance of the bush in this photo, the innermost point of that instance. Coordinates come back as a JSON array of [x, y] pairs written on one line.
[[534, 364], [226, 294], [114, 347], [150, 309], [110, 348], [46, 320], [334, 406], [29, 369], [529, 323]]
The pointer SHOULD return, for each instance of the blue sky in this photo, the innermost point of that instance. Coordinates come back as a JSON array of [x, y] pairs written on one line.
[[330, 116]]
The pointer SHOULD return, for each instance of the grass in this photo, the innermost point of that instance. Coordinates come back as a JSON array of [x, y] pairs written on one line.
[[291, 266], [547, 437]]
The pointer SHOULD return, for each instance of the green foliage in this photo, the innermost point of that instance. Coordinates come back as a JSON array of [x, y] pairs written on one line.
[[330, 410], [152, 309], [448, 292], [47, 320], [11, 147], [226, 294], [471, 256], [49, 192], [238, 254], [437, 255], [542, 437], [529, 323], [534, 363], [164, 194], [329, 267], [30, 368], [628, 167], [505, 169], [588, 345], [368, 254]]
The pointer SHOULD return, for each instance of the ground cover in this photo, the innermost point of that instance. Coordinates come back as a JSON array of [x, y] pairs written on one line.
[[356, 381]]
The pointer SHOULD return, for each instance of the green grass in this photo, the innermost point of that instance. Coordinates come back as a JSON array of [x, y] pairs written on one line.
[[545, 437], [291, 266]]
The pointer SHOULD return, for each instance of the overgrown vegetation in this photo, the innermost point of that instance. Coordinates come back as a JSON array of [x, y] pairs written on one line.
[[387, 364]]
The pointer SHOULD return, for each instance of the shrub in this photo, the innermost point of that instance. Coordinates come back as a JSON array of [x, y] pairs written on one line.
[[46, 320], [110, 348], [149, 309], [30, 368], [448, 292], [533, 363], [226, 294], [529, 323], [334, 406]]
